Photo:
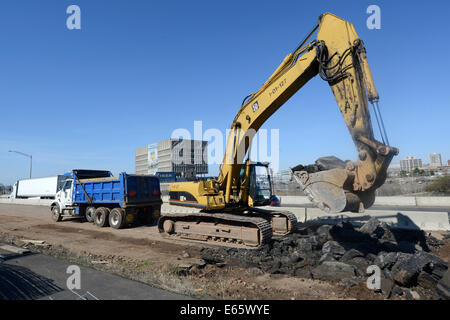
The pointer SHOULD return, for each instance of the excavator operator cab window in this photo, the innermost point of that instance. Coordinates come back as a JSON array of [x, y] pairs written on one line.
[[260, 185]]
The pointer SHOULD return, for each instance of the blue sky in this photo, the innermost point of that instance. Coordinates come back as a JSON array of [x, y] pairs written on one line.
[[137, 70]]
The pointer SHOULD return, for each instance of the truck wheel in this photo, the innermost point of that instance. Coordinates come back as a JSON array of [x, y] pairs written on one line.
[[141, 217], [101, 217], [117, 218], [149, 218], [56, 213], [156, 213], [152, 215], [90, 214]]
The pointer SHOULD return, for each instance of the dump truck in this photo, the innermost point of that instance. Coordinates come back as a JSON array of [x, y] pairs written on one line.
[[107, 200]]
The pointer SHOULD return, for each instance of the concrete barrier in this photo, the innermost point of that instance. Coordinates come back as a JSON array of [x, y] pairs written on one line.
[[382, 201], [28, 202], [409, 220], [433, 201], [294, 200], [395, 201]]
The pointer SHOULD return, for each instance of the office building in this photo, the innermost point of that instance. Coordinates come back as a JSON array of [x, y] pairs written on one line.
[[410, 163], [435, 160], [185, 158]]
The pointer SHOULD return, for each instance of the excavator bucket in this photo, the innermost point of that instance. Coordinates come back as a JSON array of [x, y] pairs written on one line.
[[330, 188]]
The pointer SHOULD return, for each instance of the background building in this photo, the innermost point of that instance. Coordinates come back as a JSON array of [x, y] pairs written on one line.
[[393, 170], [185, 158], [410, 163], [435, 160]]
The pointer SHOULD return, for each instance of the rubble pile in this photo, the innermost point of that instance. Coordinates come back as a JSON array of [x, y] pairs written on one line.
[[342, 253]]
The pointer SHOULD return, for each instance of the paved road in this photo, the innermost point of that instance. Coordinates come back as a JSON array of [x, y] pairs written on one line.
[[36, 276]]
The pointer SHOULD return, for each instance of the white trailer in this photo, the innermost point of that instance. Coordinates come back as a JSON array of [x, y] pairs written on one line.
[[43, 188]]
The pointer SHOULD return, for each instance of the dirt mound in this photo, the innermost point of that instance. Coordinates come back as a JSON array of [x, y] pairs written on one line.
[[342, 253]]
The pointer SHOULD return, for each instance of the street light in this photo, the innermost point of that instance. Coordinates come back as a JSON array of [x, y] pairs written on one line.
[[26, 155]]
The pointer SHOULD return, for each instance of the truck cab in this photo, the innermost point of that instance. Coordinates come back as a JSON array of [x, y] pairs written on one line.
[[64, 197]]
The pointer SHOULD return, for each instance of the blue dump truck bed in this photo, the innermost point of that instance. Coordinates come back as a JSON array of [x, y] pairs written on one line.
[[124, 190]]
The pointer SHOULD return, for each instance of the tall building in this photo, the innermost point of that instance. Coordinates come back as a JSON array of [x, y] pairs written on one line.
[[183, 157], [435, 160], [410, 163]]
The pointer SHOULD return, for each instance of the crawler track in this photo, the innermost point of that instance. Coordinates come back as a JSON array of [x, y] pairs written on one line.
[[282, 222], [249, 230], [225, 229]]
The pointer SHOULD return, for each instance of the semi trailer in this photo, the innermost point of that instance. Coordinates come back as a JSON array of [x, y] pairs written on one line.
[[107, 200], [43, 188]]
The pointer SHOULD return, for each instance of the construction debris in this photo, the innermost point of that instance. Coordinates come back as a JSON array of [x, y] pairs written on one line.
[[14, 249], [443, 287], [35, 242], [342, 253]]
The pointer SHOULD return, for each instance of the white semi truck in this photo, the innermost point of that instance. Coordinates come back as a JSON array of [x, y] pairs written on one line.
[[43, 188]]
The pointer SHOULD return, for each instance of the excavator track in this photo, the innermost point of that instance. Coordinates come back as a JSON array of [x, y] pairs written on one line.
[[282, 222], [225, 229], [249, 230]]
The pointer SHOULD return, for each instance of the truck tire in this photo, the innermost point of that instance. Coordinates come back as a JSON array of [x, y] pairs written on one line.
[[156, 212], [153, 214], [90, 214], [145, 217], [117, 218], [101, 217], [56, 213]]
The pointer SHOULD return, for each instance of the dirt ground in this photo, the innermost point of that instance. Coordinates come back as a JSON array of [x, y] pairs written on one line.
[[140, 253]]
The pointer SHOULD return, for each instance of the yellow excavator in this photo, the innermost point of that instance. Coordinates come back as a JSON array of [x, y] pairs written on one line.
[[224, 210]]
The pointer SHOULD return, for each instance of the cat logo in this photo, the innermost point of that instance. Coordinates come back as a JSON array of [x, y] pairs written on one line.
[[255, 106]]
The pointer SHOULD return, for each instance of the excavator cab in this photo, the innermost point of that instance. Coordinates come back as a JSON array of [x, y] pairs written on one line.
[[260, 185]]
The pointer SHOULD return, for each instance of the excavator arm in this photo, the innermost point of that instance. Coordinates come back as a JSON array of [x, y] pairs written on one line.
[[338, 56]]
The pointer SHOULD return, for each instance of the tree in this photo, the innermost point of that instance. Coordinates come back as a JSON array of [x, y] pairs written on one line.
[[441, 185], [415, 172]]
